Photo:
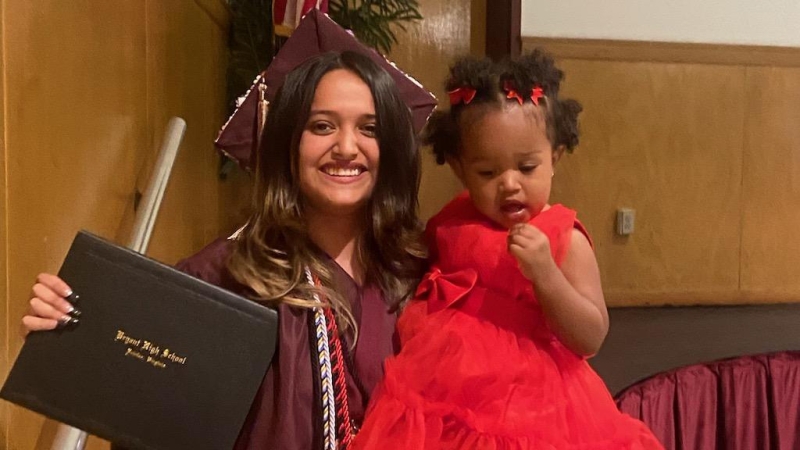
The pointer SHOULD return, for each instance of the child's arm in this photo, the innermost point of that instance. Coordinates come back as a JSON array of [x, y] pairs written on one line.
[[572, 297]]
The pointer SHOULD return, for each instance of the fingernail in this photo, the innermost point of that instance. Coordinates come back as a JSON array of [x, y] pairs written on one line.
[[74, 312], [66, 321], [73, 297], [63, 321]]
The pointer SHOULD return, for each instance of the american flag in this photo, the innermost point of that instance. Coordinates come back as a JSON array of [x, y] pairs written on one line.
[[286, 14]]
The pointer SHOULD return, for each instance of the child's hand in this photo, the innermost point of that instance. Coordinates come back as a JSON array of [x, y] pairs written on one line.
[[531, 248]]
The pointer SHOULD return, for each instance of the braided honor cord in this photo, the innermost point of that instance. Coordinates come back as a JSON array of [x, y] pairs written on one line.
[[326, 373], [340, 382]]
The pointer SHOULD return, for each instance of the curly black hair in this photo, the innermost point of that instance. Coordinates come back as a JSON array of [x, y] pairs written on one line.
[[489, 80]]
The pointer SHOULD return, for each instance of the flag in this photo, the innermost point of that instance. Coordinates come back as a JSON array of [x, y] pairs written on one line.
[[286, 14]]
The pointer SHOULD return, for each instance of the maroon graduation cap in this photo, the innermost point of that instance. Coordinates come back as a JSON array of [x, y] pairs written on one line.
[[317, 33]]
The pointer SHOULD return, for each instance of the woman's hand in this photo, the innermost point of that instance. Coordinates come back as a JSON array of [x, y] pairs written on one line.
[[50, 306]]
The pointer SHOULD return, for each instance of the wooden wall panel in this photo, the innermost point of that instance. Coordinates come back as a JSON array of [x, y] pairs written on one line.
[[5, 327], [90, 86], [667, 52], [76, 133], [425, 52], [478, 27], [191, 214], [702, 141], [771, 185], [649, 142]]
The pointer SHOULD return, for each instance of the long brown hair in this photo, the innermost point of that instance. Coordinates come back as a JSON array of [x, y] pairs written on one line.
[[273, 250]]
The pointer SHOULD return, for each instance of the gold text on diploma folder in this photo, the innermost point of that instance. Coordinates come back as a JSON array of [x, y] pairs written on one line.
[[148, 352]]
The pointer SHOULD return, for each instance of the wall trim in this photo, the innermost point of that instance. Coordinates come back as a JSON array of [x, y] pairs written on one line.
[[667, 52], [504, 19], [705, 298]]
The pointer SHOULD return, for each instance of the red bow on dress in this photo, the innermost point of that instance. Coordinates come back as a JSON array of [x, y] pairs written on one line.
[[463, 94], [443, 290]]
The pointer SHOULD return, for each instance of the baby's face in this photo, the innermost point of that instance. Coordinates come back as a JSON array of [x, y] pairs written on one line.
[[506, 163]]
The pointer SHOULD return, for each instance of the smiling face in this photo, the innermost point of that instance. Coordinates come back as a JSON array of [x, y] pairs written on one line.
[[506, 162], [338, 151]]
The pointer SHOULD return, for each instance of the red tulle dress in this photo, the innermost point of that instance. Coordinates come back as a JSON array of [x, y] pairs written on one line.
[[479, 367]]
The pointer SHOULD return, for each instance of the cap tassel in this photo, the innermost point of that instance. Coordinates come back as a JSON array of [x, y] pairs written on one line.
[[263, 108]]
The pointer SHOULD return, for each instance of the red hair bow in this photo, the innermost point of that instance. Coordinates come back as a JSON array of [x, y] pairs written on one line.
[[511, 92], [536, 93], [463, 94]]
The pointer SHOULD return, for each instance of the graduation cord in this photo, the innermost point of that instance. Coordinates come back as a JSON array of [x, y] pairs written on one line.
[[335, 402], [345, 431], [349, 361], [325, 372]]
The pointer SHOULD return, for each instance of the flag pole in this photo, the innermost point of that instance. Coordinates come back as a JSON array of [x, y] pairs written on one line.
[[71, 438]]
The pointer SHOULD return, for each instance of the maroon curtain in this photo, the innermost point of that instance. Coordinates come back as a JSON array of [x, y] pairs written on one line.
[[745, 403]]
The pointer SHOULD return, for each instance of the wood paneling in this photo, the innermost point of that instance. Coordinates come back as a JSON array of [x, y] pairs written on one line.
[[5, 325], [703, 144], [668, 52], [76, 136], [425, 51], [653, 147], [215, 10], [90, 85], [478, 27], [770, 238], [191, 214]]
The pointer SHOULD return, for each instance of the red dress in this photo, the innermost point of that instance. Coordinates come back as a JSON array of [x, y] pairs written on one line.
[[479, 367]]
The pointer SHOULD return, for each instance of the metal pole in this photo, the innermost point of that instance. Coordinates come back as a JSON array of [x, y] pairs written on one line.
[[70, 438]]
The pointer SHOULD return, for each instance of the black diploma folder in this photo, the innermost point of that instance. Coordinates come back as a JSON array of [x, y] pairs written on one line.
[[159, 360]]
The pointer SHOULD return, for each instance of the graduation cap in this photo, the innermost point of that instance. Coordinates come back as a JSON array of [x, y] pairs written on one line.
[[316, 34]]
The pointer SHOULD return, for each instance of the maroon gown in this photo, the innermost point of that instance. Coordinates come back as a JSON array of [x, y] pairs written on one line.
[[286, 413]]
